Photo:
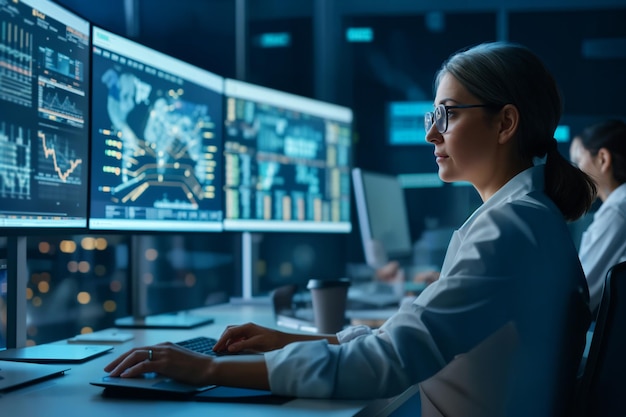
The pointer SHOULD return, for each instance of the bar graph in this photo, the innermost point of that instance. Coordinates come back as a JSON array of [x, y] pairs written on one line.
[[16, 64], [15, 161]]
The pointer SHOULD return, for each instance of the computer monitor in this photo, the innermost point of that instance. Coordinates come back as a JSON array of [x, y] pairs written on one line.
[[383, 219], [156, 140], [44, 121], [287, 161], [405, 122]]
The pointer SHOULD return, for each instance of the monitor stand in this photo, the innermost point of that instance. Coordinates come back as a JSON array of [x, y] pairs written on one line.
[[16, 277], [180, 320]]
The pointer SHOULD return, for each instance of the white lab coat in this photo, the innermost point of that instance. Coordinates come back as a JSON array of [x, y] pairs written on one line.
[[603, 244], [514, 261]]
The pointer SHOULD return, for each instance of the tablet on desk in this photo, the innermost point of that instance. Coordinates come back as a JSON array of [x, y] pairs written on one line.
[[148, 383], [105, 336], [54, 353], [155, 386], [15, 375]]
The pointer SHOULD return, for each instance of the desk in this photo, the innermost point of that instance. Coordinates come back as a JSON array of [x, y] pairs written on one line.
[[72, 396]]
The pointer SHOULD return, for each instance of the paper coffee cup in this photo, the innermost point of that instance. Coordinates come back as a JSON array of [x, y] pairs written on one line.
[[329, 303]]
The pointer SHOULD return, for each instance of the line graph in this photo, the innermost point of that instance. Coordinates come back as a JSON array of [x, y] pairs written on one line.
[[59, 161], [59, 103]]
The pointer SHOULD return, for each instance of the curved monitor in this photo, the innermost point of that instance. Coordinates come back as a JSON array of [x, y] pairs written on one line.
[[44, 117], [156, 140], [287, 161]]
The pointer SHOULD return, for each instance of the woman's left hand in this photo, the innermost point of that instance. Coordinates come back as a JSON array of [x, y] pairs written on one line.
[[166, 359]]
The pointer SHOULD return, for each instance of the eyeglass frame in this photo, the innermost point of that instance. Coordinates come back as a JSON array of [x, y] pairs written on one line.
[[430, 118]]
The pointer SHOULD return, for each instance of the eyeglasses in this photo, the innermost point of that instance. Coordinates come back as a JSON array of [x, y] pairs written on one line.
[[439, 117]]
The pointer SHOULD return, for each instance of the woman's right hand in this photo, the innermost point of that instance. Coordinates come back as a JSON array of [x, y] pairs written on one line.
[[251, 337], [427, 277], [390, 272]]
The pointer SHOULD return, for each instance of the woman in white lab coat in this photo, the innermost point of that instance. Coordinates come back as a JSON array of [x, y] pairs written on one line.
[[512, 263], [600, 151]]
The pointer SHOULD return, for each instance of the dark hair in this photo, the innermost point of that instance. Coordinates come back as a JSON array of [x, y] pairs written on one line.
[[610, 135], [500, 73]]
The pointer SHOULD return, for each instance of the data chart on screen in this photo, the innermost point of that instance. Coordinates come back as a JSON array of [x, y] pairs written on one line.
[[44, 121], [287, 161], [156, 140]]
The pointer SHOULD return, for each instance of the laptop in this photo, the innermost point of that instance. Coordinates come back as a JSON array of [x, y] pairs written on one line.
[[18, 374], [153, 385], [54, 353]]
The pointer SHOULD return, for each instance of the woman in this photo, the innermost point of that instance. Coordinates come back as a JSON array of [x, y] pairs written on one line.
[[600, 151], [512, 261]]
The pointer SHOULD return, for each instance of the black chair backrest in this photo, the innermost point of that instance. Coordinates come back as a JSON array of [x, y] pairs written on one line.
[[603, 385], [282, 299]]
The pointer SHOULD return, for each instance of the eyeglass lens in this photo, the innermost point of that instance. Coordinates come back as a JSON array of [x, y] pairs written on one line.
[[439, 117]]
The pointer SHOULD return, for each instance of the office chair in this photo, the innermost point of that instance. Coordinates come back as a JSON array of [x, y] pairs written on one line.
[[282, 300], [603, 383]]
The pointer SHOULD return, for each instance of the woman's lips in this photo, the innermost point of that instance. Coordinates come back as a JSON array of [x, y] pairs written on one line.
[[440, 157]]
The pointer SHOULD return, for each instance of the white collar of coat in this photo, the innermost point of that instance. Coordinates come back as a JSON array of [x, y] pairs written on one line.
[[531, 179]]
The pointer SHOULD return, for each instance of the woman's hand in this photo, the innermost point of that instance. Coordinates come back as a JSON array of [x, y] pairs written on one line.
[[390, 272], [167, 359], [427, 277], [251, 337]]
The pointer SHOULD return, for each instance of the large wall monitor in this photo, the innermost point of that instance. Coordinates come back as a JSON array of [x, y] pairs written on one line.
[[287, 161], [44, 118], [156, 140]]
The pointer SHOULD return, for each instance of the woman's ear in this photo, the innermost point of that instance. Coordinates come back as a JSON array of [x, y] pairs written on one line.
[[605, 160], [509, 121]]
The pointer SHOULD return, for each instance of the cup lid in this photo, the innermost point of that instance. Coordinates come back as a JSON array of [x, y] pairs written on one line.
[[328, 283]]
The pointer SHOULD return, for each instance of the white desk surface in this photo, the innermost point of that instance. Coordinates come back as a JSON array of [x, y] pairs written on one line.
[[71, 395]]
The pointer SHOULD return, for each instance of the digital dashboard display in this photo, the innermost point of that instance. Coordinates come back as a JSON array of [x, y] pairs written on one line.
[[44, 122], [156, 140], [287, 161]]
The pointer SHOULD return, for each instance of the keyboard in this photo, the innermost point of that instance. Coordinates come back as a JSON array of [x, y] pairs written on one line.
[[201, 344], [204, 345]]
